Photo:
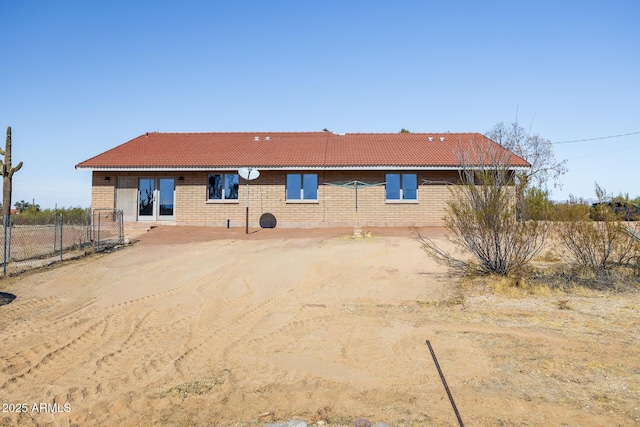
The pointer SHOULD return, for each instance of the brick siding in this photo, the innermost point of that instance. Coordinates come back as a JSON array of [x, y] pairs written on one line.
[[102, 191], [335, 206]]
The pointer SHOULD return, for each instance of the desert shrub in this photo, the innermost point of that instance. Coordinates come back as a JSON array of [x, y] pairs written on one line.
[[537, 205], [71, 215], [482, 219], [573, 210], [600, 245]]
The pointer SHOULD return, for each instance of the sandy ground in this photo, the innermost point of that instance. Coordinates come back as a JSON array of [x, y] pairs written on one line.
[[180, 329]]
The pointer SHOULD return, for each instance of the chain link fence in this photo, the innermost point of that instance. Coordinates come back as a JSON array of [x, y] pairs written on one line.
[[32, 241], [107, 228]]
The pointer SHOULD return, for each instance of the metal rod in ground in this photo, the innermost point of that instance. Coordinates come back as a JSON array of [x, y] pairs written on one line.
[[444, 382]]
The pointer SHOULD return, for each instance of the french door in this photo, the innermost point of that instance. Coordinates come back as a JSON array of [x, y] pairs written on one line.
[[156, 199]]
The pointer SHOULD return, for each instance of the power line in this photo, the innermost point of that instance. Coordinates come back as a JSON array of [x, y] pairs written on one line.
[[596, 139], [624, 148], [606, 166]]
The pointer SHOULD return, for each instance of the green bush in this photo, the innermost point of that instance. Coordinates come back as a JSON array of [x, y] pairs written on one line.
[[537, 205], [72, 215]]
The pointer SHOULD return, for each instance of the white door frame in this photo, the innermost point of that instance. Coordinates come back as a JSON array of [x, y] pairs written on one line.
[[157, 206]]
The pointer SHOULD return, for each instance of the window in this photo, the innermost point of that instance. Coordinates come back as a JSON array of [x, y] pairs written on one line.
[[402, 186], [223, 187], [302, 186]]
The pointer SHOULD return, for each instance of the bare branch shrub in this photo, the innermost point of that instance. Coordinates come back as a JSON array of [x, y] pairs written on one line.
[[599, 245], [482, 219]]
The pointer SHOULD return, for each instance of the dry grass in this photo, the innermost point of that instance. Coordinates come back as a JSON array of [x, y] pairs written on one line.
[[549, 256], [551, 275]]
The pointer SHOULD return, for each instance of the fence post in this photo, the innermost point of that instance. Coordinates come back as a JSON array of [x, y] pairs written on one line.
[[89, 226], [121, 219], [55, 231], [61, 245], [10, 235], [98, 241], [4, 252]]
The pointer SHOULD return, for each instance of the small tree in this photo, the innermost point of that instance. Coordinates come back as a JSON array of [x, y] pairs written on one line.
[[481, 218], [536, 150], [23, 206], [537, 204]]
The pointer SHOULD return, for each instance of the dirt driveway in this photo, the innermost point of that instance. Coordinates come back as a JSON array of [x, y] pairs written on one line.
[[241, 331]]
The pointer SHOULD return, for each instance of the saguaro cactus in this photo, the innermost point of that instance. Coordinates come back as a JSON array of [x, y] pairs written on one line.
[[7, 174]]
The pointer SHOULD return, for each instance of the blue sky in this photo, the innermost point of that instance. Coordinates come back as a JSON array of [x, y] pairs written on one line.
[[80, 77]]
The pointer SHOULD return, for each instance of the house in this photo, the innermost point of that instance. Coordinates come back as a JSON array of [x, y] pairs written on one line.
[[192, 178]]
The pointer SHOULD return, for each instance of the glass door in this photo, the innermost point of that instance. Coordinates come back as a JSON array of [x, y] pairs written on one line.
[[156, 197], [166, 197], [146, 196]]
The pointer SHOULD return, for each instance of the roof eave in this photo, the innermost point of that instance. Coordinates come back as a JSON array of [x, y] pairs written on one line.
[[291, 167]]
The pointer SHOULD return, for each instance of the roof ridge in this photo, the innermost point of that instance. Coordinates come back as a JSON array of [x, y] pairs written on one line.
[[412, 133], [232, 132], [306, 133]]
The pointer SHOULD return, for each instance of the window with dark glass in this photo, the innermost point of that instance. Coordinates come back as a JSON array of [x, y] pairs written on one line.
[[401, 186], [223, 187], [302, 186]]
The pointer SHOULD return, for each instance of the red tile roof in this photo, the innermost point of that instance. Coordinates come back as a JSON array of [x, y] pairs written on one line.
[[295, 149]]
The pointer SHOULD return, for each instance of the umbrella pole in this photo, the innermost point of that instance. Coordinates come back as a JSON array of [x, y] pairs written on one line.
[[357, 232], [356, 185]]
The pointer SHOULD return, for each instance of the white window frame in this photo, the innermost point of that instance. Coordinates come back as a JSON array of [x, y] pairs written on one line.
[[301, 199], [223, 199], [401, 190]]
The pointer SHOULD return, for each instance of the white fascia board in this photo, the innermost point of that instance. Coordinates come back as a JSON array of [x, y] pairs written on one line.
[[293, 168]]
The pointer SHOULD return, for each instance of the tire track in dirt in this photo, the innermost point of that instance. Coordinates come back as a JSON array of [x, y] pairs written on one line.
[[20, 310], [208, 313], [211, 308], [124, 348], [47, 324], [234, 329], [291, 330], [307, 349], [62, 356], [115, 369], [75, 311], [306, 329], [130, 338], [137, 356], [30, 361], [228, 328], [134, 356], [42, 328]]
